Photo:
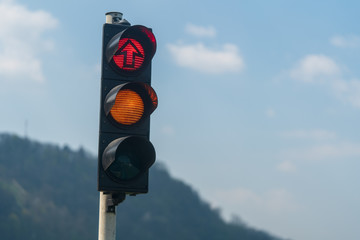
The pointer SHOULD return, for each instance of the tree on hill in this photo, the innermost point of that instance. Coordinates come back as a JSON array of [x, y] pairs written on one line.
[[49, 192]]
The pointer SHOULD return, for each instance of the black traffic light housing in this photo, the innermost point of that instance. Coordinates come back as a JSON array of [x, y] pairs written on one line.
[[126, 102]]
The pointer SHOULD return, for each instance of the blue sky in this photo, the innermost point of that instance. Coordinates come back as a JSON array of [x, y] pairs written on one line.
[[259, 101]]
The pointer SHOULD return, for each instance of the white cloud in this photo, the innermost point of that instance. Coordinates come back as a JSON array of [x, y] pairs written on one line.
[[345, 41], [203, 59], [286, 166], [270, 113], [338, 151], [325, 71], [317, 134], [168, 130], [315, 68], [279, 201], [271, 202], [347, 91], [200, 31], [22, 42]]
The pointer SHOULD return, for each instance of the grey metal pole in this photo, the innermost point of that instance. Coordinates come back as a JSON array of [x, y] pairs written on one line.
[[108, 202], [107, 219]]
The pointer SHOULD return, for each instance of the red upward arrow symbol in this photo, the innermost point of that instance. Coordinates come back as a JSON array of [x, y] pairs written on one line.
[[129, 51]]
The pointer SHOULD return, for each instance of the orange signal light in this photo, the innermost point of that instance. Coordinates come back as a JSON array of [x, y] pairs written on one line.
[[128, 108]]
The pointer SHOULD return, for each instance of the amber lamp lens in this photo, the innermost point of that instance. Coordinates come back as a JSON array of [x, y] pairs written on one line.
[[128, 107]]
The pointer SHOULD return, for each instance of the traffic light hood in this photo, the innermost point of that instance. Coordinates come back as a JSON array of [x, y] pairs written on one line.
[[127, 158], [131, 50], [130, 103]]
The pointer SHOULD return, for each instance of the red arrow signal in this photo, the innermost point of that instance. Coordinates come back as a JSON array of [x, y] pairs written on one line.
[[130, 54]]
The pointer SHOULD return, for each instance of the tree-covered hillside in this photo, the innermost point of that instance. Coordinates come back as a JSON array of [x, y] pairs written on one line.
[[49, 192]]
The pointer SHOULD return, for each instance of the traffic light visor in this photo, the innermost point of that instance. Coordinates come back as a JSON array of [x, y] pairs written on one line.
[[129, 103], [126, 158], [131, 50]]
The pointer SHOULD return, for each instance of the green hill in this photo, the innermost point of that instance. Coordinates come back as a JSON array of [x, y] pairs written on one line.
[[49, 192]]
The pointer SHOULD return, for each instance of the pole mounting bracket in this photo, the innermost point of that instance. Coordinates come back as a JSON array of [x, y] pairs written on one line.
[[112, 200]]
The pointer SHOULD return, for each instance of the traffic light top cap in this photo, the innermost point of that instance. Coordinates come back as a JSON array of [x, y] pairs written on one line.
[[131, 50], [113, 17]]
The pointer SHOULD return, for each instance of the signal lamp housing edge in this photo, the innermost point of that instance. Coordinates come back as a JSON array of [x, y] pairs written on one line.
[[131, 50], [126, 159], [127, 100], [143, 96]]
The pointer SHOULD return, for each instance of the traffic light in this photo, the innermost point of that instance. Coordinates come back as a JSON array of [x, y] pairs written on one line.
[[127, 100]]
